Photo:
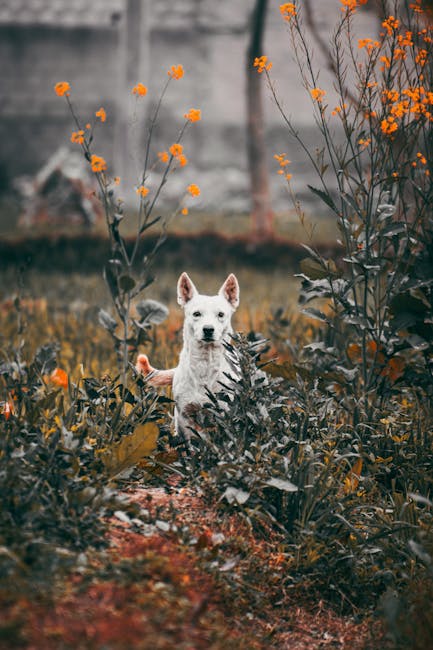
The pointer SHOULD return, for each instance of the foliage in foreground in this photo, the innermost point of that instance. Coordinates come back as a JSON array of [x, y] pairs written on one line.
[[275, 451], [62, 439]]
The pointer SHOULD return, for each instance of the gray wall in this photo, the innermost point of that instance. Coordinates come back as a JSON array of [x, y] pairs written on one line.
[[210, 40]]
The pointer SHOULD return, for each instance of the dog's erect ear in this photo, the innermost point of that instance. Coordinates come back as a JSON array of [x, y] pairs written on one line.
[[185, 289], [230, 291]]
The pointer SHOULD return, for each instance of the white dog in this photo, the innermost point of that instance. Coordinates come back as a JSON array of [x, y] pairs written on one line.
[[202, 361]]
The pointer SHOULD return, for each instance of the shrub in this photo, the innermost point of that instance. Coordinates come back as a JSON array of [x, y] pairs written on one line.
[[61, 440]]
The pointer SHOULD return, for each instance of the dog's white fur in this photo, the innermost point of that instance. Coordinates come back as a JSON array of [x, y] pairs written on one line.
[[202, 361]]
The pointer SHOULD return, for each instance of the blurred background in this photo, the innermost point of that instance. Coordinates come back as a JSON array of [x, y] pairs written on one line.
[[244, 220]]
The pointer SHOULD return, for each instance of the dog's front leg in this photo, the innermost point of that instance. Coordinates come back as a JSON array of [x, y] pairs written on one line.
[[152, 375]]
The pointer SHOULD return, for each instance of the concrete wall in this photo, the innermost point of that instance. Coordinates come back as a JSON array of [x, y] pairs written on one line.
[[210, 39]]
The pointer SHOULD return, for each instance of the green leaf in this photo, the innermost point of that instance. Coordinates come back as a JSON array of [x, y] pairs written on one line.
[[110, 276], [316, 314], [151, 311], [107, 321], [313, 269], [285, 370], [282, 484], [326, 198], [236, 495], [45, 358], [132, 448], [126, 283]]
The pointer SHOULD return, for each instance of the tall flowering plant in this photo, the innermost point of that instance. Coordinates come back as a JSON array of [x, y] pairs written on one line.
[[127, 276], [374, 170]]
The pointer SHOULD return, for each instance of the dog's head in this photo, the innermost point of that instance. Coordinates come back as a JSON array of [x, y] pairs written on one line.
[[208, 318]]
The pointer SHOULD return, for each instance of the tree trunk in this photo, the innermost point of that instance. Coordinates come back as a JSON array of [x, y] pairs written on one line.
[[261, 212]]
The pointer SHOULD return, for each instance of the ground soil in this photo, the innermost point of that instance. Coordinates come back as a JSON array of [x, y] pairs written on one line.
[[215, 586]]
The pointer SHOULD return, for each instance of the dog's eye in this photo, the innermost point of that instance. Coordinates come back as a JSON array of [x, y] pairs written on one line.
[[221, 314], [197, 314]]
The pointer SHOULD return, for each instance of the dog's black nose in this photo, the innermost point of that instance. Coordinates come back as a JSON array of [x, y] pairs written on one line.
[[208, 332]]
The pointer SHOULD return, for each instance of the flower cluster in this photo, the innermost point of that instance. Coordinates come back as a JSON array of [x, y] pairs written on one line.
[[142, 191], [101, 113], [163, 156], [368, 44], [176, 72], [193, 189], [283, 162], [288, 11], [193, 115], [59, 377], [62, 88], [391, 24], [317, 94], [262, 63], [339, 109], [351, 5], [77, 137], [388, 125], [176, 151], [139, 90], [98, 164]]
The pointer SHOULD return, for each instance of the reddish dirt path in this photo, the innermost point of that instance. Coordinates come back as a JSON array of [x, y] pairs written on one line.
[[154, 592]]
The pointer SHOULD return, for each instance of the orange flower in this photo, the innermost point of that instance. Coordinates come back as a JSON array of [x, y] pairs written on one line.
[[261, 63], [390, 95], [353, 351], [406, 40], [163, 156], [77, 137], [182, 160], [349, 5], [389, 125], [116, 180], [400, 109], [98, 164], [394, 368], [364, 142], [59, 378], [193, 115], [391, 24], [184, 211], [88, 125], [193, 189], [288, 11], [142, 191], [176, 72], [140, 90], [421, 57], [363, 42], [282, 159], [101, 114], [415, 6], [283, 162], [176, 149], [317, 94], [62, 88]]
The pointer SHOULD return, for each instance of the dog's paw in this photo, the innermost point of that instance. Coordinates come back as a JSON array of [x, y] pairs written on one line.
[[142, 365], [154, 376]]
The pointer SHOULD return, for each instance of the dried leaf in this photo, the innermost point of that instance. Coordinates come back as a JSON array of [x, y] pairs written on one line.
[[132, 448]]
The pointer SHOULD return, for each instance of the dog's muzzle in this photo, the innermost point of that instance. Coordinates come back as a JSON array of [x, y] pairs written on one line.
[[208, 334]]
